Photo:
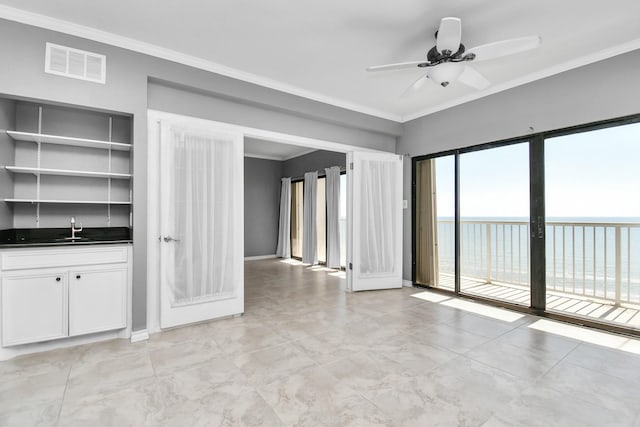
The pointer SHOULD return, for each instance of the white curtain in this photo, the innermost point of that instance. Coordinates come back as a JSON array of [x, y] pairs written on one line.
[[426, 223], [199, 218], [284, 231], [378, 218], [333, 216], [309, 230]]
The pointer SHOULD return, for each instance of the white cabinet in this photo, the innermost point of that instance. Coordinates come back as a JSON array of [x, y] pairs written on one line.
[[87, 292], [34, 306], [97, 299]]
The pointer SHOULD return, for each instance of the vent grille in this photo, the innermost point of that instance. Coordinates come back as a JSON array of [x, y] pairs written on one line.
[[75, 63]]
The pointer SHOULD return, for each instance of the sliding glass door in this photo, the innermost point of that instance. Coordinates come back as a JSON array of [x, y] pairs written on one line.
[[494, 221], [551, 222], [593, 225], [435, 208], [297, 205]]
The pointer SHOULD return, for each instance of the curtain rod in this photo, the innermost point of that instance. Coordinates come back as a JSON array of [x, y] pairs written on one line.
[[320, 174]]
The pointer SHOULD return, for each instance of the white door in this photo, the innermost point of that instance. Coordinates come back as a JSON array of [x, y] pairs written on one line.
[[374, 211], [201, 222]]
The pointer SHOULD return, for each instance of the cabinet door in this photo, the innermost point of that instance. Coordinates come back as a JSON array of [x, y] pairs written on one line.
[[34, 306], [97, 299]]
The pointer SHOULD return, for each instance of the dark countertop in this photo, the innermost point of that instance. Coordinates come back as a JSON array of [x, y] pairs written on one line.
[[30, 237]]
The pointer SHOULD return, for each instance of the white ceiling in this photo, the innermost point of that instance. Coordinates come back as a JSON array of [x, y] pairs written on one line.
[[320, 49], [263, 149]]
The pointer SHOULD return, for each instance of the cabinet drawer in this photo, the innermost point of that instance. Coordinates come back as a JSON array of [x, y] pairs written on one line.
[[62, 257]]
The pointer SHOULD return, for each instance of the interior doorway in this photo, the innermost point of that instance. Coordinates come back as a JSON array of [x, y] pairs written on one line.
[[266, 164], [155, 173], [374, 170]]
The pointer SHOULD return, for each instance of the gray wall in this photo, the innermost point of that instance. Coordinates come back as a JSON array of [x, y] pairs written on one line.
[[262, 195], [315, 161], [598, 91], [261, 206], [177, 89], [7, 156], [205, 105]]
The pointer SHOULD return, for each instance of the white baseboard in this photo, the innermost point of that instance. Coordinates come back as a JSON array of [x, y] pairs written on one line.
[[7, 353], [255, 258], [407, 283], [141, 335]]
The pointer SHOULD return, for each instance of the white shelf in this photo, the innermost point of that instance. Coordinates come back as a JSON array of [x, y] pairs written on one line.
[[66, 172], [67, 140], [67, 202]]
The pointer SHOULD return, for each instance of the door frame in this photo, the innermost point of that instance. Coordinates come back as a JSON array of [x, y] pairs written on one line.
[[154, 117]]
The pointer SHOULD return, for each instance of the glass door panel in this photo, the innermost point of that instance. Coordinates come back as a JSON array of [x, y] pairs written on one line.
[[435, 232], [494, 223], [592, 199], [321, 221], [297, 196], [343, 220]]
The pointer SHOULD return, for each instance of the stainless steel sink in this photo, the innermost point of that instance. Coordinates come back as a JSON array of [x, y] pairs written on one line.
[[72, 239]]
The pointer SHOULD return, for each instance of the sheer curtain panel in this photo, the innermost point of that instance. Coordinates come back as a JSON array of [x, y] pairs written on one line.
[[199, 220], [284, 229], [309, 231], [378, 218], [333, 216]]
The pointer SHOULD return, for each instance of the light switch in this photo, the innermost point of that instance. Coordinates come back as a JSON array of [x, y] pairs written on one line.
[[404, 204]]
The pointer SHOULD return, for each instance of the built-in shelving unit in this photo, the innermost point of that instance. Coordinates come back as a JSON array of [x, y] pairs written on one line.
[[71, 167]]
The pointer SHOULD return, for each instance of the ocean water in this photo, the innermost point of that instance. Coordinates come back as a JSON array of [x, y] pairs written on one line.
[[597, 257]]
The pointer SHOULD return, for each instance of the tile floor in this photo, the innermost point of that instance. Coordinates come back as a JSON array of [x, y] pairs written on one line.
[[307, 353]]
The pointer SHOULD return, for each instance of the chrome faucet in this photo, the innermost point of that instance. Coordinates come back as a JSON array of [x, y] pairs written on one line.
[[74, 230]]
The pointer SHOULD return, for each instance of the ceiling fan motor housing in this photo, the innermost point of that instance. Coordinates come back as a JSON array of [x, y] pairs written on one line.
[[434, 57]]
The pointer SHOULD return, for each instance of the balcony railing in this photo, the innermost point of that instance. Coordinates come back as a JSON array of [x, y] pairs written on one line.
[[600, 260]]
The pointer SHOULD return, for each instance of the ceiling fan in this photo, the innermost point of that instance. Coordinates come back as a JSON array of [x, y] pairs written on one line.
[[448, 60]]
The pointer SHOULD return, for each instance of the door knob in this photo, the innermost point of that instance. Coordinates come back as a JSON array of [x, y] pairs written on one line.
[[170, 239]]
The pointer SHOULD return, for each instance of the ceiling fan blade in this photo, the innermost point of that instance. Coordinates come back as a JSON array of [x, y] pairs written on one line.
[[414, 87], [473, 78], [504, 47], [449, 35], [398, 66]]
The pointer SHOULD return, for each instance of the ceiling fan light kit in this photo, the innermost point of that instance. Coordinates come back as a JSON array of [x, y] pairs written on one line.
[[447, 62], [445, 73]]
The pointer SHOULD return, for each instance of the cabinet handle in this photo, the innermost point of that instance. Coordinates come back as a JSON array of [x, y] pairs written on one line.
[[57, 279], [78, 277]]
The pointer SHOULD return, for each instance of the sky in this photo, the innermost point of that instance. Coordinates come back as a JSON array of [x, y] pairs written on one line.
[[588, 174]]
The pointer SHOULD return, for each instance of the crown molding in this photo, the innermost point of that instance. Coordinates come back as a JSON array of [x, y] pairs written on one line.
[[547, 72], [302, 153], [279, 158], [263, 156], [67, 27]]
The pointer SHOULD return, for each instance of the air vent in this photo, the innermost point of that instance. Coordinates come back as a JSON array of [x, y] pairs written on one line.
[[75, 63]]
